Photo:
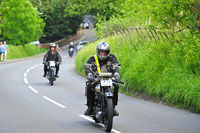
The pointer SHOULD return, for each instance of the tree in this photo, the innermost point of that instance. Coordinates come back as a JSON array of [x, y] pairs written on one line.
[[58, 25], [102, 9], [20, 21]]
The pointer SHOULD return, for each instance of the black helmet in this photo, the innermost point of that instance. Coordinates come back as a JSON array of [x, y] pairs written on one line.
[[103, 47]]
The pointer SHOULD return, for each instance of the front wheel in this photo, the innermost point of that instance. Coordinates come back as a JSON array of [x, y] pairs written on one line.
[[70, 54], [51, 77], [108, 120]]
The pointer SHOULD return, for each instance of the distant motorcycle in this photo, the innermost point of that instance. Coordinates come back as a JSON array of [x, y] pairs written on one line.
[[103, 106], [51, 67], [71, 51]]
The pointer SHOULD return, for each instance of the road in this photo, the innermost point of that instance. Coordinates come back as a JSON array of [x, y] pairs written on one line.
[[28, 104]]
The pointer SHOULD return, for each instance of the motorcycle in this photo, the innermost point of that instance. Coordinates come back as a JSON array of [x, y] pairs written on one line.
[[71, 51], [51, 67], [103, 105]]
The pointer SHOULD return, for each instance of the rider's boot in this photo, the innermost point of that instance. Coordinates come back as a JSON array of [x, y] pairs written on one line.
[[45, 74], [88, 111], [115, 112], [56, 74]]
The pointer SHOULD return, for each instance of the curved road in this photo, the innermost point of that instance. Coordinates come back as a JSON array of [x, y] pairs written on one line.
[[28, 104]]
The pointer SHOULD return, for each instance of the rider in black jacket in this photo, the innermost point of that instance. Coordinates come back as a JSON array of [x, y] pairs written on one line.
[[52, 55], [105, 60]]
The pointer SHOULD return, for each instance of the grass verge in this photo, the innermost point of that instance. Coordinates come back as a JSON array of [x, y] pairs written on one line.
[[166, 71], [22, 52]]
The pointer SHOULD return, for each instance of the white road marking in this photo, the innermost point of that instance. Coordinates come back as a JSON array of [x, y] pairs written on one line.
[[25, 74], [25, 81], [36, 65], [34, 90], [54, 102], [89, 119], [32, 67], [115, 131], [66, 56], [27, 70]]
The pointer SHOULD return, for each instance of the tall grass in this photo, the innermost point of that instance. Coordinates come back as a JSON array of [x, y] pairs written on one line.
[[26, 51], [164, 70]]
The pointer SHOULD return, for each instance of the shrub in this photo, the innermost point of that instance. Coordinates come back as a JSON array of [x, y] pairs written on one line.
[[21, 52]]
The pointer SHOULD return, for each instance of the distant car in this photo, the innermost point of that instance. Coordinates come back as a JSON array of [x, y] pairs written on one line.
[[81, 45], [85, 25]]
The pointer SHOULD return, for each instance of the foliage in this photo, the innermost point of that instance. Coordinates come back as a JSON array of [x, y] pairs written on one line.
[[102, 9], [84, 54], [164, 70], [24, 51], [58, 24], [164, 15], [20, 21]]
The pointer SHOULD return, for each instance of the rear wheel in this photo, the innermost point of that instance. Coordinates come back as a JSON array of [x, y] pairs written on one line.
[[108, 120]]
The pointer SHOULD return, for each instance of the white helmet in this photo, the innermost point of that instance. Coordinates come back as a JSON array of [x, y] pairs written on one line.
[[52, 45], [71, 43]]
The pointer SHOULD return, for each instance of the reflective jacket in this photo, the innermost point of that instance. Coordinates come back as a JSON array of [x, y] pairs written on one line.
[[104, 65]]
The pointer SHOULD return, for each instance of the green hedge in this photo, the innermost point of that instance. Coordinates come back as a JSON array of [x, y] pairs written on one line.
[[26, 51], [167, 71]]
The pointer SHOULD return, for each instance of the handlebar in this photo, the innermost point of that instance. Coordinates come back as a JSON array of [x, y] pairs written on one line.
[[98, 80], [121, 82]]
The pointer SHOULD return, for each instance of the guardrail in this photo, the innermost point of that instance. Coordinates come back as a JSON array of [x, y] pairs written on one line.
[[154, 34], [66, 40]]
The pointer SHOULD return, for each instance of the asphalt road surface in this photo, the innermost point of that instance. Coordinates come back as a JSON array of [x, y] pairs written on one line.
[[28, 104]]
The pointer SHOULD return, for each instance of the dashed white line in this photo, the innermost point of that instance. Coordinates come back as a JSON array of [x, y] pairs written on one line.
[[25, 74], [27, 70], [36, 65], [25, 81], [54, 102], [89, 119], [34, 90]]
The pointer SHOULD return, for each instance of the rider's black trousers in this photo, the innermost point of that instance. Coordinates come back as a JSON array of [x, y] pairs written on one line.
[[91, 95]]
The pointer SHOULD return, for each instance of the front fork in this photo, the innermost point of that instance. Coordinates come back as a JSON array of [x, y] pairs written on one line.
[[104, 97]]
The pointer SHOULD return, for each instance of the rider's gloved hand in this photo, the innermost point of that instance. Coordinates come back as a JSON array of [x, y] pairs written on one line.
[[90, 77], [58, 63], [117, 76], [44, 62]]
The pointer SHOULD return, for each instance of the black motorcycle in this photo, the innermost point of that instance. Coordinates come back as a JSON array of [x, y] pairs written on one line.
[[103, 106], [51, 67]]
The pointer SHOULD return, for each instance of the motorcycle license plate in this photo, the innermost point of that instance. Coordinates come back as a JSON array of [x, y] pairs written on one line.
[[52, 63], [106, 82]]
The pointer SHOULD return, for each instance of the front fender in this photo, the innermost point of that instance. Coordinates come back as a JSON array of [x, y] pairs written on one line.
[[52, 68]]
